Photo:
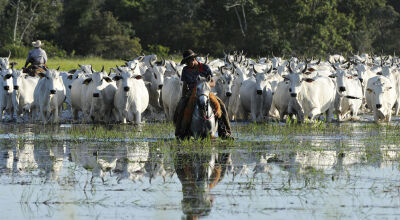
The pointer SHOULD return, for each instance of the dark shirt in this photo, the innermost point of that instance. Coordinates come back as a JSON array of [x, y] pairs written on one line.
[[190, 75]]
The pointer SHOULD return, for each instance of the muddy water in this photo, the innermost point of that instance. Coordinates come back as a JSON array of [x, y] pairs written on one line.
[[319, 175]]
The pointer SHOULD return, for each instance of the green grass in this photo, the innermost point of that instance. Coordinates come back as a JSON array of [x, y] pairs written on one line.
[[72, 63]]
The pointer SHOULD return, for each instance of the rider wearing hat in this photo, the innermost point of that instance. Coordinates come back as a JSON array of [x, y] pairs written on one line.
[[37, 57], [190, 73]]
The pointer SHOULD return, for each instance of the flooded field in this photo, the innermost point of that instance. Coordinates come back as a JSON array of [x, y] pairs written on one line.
[[280, 171]]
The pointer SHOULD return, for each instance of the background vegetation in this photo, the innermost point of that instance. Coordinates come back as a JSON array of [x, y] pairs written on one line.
[[121, 29]]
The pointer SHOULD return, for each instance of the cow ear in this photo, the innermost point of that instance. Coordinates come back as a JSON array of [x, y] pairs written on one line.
[[107, 79], [87, 81], [70, 76], [41, 75], [369, 90], [138, 77], [116, 78], [387, 89], [72, 71], [309, 80], [332, 76]]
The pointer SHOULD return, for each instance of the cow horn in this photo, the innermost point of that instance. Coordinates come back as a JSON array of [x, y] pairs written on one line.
[[334, 67], [207, 58], [9, 54], [305, 68], [254, 69], [102, 69], [290, 69], [270, 69], [91, 68], [319, 61], [163, 62], [141, 58], [58, 68], [118, 68], [222, 71]]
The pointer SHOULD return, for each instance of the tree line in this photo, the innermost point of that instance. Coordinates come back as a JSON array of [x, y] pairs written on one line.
[[126, 28]]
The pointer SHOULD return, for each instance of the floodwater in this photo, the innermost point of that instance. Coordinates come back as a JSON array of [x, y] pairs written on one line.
[[348, 171]]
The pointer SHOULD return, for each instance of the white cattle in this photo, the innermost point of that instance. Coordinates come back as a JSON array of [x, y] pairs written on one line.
[[380, 97], [171, 94], [256, 96], [240, 75], [154, 75], [99, 97], [224, 83], [311, 96], [77, 96], [281, 99], [4, 62], [6, 92], [22, 96], [49, 94], [392, 72], [349, 93], [131, 98]]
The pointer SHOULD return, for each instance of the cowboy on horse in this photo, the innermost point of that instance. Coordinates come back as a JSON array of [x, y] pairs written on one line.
[[191, 73], [37, 57]]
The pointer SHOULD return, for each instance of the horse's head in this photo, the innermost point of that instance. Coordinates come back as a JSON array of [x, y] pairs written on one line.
[[203, 90]]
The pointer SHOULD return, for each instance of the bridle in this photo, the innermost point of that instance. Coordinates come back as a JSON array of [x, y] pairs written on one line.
[[204, 108]]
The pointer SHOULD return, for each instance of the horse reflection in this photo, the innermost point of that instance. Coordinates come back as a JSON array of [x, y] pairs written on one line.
[[198, 174]]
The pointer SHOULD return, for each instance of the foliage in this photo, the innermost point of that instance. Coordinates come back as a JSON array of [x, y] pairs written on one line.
[[120, 28]]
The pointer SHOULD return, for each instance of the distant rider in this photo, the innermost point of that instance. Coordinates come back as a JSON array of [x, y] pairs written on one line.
[[37, 57]]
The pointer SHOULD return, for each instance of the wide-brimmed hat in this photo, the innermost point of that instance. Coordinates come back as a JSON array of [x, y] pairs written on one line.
[[37, 43], [187, 54]]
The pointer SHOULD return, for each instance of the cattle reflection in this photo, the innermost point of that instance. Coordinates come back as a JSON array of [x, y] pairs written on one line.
[[132, 164], [49, 158], [198, 174]]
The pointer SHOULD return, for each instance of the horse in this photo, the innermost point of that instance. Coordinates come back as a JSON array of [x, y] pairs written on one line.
[[204, 121]]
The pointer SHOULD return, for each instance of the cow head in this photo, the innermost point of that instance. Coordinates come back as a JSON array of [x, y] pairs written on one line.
[[157, 75], [53, 80], [17, 76], [225, 81], [100, 81], [378, 89], [123, 79], [261, 79], [296, 79]]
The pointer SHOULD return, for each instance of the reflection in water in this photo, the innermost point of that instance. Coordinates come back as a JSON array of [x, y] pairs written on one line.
[[143, 172], [198, 174]]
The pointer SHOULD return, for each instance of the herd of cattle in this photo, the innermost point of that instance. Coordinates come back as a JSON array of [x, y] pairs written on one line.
[[262, 89]]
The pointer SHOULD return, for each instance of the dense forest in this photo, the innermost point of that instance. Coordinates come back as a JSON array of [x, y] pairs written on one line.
[[126, 28]]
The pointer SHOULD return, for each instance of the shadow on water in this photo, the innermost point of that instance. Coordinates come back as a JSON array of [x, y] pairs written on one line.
[[282, 176]]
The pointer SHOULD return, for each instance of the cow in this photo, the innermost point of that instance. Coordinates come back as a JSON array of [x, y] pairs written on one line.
[[48, 96], [4, 62], [380, 97], [256, 96], [154, 75], [131, 98], [224, 83], [171, 94], [241, 74], [77, 96], [349, 93], [22, 96], [311, 96], [99, 97], [281, 99], [6, 92]]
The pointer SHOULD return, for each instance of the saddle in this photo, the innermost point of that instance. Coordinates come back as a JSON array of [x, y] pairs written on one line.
[[34, 70], [187, 114]]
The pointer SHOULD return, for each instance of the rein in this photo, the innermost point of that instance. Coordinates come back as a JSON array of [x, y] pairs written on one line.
[[205, 114]]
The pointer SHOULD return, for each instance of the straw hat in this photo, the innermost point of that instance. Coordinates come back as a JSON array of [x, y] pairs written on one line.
[[37, 43]]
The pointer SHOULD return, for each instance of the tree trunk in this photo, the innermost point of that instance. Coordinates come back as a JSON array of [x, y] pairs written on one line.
[[33, 15], [240, 22], [16, 21]]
